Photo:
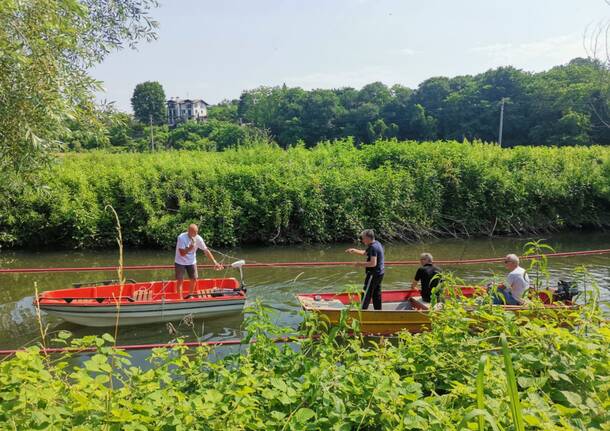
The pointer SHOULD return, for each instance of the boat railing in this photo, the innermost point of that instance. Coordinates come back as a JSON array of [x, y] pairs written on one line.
[[101, 283], [87, 298]]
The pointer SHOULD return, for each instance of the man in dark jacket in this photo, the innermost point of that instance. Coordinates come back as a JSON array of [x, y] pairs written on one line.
[[427, 276], [374, 268]]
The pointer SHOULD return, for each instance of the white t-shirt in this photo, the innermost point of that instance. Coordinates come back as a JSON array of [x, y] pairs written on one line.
[[518, 281], [184, 241]]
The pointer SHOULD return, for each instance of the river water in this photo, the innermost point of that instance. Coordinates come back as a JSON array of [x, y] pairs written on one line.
[[275, 287]]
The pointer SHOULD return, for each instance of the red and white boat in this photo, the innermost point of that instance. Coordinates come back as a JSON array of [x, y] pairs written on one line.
[[140, 303]]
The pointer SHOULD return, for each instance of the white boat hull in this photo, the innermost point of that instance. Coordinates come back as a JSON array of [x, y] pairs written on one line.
[[142, 314]]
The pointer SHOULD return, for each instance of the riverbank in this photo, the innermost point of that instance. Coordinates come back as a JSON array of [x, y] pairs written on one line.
[[266, 195]]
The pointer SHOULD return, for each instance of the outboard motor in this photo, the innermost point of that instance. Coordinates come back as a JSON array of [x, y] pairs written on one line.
[[566, 290], [239, 265]]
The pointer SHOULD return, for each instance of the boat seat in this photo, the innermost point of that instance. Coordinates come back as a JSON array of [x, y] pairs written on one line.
[[142, 294], [397, 306], [324, 303], [418, 303]]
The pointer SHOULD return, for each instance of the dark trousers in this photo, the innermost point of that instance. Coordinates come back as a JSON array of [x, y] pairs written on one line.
[[426, 293], [372, 289]]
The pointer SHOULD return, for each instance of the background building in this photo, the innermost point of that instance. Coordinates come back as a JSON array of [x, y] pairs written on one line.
[[180, 110]]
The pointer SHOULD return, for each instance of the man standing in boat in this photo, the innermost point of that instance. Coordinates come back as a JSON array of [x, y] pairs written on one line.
[[374, 268], [428, 275], [186, 259]]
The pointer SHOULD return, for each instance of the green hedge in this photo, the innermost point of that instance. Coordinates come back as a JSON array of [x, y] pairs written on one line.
[[264, 194]]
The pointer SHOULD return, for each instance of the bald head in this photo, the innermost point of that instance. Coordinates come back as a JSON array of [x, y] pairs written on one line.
[[193, 230]]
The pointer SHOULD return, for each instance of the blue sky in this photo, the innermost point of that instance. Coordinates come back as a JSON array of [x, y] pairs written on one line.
[[215, 49]]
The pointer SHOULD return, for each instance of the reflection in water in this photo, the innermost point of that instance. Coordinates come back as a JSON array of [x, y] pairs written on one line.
[[275, 287]]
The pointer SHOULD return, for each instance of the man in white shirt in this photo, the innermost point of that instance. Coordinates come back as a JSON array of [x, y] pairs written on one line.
[[517, 282], [186, 259]]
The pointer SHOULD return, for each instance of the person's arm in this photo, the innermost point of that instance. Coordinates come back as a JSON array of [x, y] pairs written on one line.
[[208, 253], [414, 284], [371, 261], [512, 280], [184, 250], [356, 251], [369, 264]]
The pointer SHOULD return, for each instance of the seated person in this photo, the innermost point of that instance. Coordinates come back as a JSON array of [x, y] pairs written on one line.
[[426, 276], [517, 282]]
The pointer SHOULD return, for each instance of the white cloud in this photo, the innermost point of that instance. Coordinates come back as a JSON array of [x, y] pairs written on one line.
[[552, 50], [351, 78], [493, 49], [408, 51]]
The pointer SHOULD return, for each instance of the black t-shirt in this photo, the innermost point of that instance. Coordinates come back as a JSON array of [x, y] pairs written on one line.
[[375, 249], [425, 275]]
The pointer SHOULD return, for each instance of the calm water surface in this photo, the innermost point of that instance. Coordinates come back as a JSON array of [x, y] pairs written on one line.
[[275, 287]]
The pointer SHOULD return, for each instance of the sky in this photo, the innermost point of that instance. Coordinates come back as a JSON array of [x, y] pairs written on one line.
[[214, 50]]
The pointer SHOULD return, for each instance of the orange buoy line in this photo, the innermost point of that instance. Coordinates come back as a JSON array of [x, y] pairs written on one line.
[[297, 264], [190, 344]]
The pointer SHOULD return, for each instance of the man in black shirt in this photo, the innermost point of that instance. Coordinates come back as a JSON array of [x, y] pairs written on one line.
[[426, 275], [374, 268]]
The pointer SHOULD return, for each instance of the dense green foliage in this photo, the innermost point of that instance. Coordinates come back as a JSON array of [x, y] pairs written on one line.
[[46, 51], [264, 194], [566, 105], [224, 111], [121, 133], [149, 103], [47, 48], [544, 377]]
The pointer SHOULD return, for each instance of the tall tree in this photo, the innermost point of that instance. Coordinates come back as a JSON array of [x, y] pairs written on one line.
[[47, 48], [148, 102]]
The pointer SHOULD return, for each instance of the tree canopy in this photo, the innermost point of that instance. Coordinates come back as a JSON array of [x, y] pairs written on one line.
[[149, 103], [47, 49], [566, 105], [561, 106]]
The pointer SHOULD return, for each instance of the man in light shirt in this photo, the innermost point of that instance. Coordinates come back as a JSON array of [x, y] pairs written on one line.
[[186, 259], [517, 282]]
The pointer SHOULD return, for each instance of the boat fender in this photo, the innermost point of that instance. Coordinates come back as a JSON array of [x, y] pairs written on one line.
[[317, 298], [99, 300], [68, 300]]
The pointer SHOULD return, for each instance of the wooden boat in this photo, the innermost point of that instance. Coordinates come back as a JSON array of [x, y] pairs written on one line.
[[401, 309], [141, 303]]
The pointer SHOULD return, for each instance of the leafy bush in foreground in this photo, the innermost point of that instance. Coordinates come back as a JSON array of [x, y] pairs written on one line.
[[332, 382], [264, 194]]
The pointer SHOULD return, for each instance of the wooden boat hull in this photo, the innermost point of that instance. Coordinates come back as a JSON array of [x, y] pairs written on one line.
[[104, 306], [402, 310], [383, 322]]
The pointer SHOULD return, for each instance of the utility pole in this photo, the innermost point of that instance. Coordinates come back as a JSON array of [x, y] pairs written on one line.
[[504, 99], [152, 135]]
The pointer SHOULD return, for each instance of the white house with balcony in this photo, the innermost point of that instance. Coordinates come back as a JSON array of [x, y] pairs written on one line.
[[180, 110]]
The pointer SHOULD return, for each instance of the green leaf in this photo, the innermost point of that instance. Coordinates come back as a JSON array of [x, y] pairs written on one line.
[[532, 420], [213, 396], [573, 398], [303, 415]]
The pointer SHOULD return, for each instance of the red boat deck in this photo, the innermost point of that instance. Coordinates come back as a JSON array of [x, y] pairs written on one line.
[[143, 292]]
